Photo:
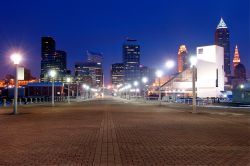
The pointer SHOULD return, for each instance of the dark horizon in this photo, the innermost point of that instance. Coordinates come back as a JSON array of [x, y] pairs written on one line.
[[160, 28]]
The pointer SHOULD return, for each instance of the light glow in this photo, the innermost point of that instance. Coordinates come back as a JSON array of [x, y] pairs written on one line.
[[52, 73], [193, 61], [136, 83], [144, 80], [159, 73], [170, 64], [16, 58]]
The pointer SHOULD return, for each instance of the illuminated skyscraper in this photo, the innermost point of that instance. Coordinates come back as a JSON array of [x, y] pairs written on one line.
[[131, 60], [48, 48], [52, 59], [183, 61], [222, 38], [236, 59], [94, 57], [117, 73]]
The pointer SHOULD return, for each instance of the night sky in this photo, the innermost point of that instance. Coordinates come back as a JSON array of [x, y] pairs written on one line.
[[160, 26]]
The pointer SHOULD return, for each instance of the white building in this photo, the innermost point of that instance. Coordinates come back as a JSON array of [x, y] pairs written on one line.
[[210, 75], [210, 71]]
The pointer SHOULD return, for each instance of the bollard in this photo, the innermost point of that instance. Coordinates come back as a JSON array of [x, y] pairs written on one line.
[[4, 102]]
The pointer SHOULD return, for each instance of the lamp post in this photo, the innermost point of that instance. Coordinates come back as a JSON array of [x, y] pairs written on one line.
[[136, 84], [170, 64], [193, 61], [159, 74], [127, 87], [16, 58], [68, 81], [52, 74], [77, 84], [144, 81]]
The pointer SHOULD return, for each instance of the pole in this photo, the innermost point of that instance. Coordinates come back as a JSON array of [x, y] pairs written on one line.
[[159, 91], [68, 94], [53, 92], [144, 94], [77, 89], [16, 92], [193, 87]]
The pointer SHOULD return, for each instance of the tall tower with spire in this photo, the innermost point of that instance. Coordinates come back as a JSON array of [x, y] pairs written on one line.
[[236, 59], [182, 59], [222, 38]]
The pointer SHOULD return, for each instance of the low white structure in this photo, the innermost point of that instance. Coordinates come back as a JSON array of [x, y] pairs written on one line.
[[210, 75], [210, 71]]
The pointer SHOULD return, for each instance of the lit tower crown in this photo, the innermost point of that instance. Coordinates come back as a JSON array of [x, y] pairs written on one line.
[[182, 58], [236, 59], [222, 24]]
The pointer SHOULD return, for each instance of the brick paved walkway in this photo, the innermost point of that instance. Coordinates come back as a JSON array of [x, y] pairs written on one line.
[[108, 132]]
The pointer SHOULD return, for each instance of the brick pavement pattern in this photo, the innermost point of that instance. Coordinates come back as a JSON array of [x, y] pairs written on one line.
[[111, 132]]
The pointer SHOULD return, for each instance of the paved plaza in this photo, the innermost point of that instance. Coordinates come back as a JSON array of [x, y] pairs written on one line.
[[115, 132]]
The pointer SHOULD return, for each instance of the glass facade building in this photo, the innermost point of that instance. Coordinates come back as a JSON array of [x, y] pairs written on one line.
[[222, 38], [52, 59], [131, 61], [117, 73]]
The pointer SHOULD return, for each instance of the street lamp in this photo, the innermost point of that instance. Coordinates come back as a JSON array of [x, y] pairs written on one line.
[[136, 84], [242, 86], [86, 87], [193, 62], [144, 81], [16, 58], [127, 88], [170, 64], [52, 74], [68, 81], [159, 74]]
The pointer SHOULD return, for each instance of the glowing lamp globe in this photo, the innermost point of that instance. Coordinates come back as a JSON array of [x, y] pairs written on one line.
[[16, 58], [135, 83], [159, 73], [170, 64], [52, 73], [144, 80]]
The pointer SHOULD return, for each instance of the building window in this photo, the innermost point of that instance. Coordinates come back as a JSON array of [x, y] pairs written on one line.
[[200, 51]]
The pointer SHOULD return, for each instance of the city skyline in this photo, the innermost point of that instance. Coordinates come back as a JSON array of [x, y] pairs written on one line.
[[159, 38]]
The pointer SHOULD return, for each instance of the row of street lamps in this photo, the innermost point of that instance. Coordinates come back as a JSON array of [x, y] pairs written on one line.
[[17, 57], [159, 73]]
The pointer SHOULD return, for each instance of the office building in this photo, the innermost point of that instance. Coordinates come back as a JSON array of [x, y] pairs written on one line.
[[89, 73], [52, 59], [117, 73], [94, 57], [222, 38], [131, 60], [147, 72]]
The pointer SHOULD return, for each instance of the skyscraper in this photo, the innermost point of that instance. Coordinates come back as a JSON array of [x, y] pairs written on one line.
[[52, 59], [222, 38], [89, 73], [117, 73], [94, 57], [183, 61], [236, 59], [131, 60], [147, 72], [48, 47]]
